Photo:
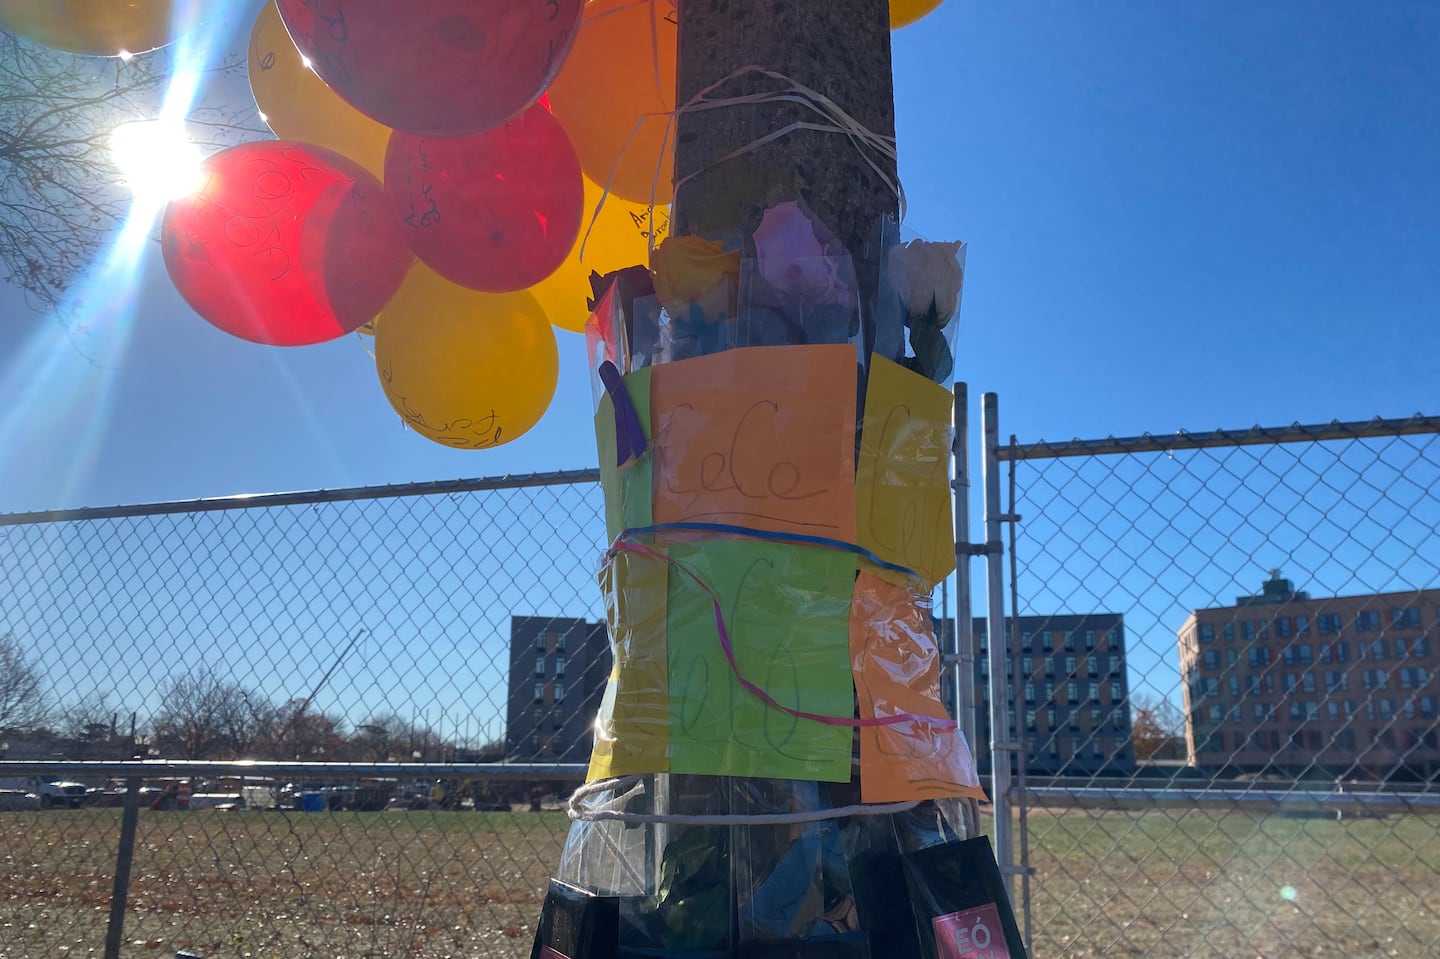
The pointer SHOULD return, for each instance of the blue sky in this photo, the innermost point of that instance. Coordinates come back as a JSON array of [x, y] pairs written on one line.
[[1179, 216]]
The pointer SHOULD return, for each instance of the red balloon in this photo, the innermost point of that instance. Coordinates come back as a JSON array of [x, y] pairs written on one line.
[[438, 67], [285, 243], [495, 211]]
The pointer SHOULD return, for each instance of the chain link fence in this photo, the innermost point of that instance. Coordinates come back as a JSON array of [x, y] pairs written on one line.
[[392, 660], [369, 627], [1280, 593]]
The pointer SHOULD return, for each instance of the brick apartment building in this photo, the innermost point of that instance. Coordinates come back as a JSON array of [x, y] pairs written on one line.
[[1342, 686], [558, 669]]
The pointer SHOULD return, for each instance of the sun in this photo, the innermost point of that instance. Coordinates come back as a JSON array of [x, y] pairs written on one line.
[[157, 161]]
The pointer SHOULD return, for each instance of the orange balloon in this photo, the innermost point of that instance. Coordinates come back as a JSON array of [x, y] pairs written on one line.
[[465, 369], [104, 28], [621, 68], [619, 236], [297, 104], [905, 12]]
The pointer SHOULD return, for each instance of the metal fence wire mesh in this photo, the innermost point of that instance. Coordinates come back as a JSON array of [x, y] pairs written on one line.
[[1280, 591], [363, 626]]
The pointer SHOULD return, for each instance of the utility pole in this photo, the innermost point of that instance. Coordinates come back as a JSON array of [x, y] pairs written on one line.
[[839, 49]]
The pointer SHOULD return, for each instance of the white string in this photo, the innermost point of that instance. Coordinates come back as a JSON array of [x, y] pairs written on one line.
[[576, 809]]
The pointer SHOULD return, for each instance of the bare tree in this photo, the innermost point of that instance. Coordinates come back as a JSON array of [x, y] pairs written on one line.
[[204, 717], [1157, 728], [59, 194], [23, 702]]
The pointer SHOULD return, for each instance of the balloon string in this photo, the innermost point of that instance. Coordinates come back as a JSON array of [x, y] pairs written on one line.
[[627, 546]]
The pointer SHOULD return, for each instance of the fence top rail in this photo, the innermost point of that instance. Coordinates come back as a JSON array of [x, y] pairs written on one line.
[[1254, 436], [264, 769], [305, 497]]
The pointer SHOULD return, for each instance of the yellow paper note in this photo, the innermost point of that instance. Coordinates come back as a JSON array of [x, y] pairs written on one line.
[[902, 479], [758, 437], [632, 728], [897, 671], [626, 488]]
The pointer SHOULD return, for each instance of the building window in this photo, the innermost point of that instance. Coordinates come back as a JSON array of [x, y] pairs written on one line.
[[1234, 684], [1217, 715], [1030, 719], [1207, 633], [1050, 717], [1420, 646], [1072, 689], [1336, 680], [559, 642], [1027, 665], [1069, 642], [1387, 709], [1247, 629], [1329, 623], [1047, 641], [1375, 649], [559, 666], [1407, 618], [1335, 652], [1367, 620], [1092, 667], [1287, 682], [1212, 660], [1332, 709], [559, 691], [1297, 709], [1414, 677], [1283, 627], [539, 692], [1231, 657], [1089, 639], [540, 642], [1302, 625], [1427, 707], [1112, 638], [539, 666], [1260, 712], [1049, 692], [1229, 632], [1307, 682], [1402, 647], [1258, 656], [1374, 678], [1304, 655], [1029, 692]]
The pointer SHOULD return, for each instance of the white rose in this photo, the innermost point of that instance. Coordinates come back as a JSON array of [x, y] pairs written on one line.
[[923, 272]]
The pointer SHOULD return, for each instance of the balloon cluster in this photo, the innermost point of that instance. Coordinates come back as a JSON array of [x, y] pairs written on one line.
[[428, 188], [449, 174]]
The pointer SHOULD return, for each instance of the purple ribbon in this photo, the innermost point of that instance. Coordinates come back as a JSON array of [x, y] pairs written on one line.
[[629, 437]]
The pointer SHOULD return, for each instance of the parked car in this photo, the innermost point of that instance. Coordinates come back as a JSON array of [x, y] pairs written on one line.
[[55, 791]]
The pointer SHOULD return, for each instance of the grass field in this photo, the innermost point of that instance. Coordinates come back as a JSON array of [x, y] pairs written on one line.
[[1199, 883]]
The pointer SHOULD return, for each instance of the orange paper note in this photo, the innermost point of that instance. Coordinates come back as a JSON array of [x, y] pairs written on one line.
[[896, 664], [759, 437]]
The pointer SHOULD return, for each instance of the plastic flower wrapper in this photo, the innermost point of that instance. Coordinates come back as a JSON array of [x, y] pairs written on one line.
[[623, 327], [695, 282], [927, 278], [800, 286]]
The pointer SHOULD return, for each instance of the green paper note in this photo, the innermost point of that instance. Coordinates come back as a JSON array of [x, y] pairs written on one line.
[[787, 612], [626, 489]]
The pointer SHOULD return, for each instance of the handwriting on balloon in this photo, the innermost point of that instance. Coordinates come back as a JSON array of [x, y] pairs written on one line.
[[757, 437], [424, 211]]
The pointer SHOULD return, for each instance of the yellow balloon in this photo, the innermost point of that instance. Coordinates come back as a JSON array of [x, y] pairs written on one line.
[[297, 104], [905, 12], [104, 28], [618, 237], [465, 369]]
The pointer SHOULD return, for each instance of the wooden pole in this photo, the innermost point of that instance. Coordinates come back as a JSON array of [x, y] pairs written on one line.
[[838, 48]]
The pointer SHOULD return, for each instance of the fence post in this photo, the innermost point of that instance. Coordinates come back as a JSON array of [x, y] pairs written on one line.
[[1002, 743], [964, 676], [124, 857]]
